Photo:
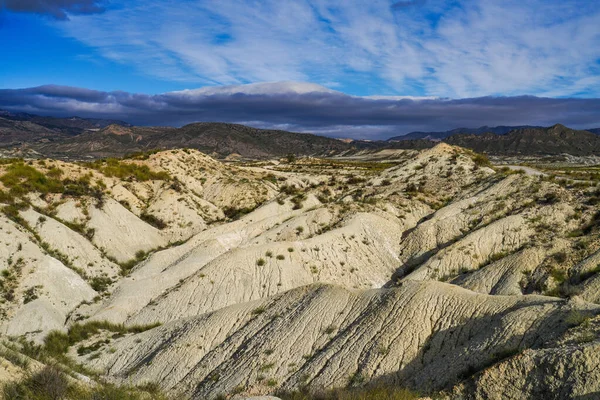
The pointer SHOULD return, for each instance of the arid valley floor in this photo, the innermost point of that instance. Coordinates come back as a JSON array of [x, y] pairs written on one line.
[[429, 270]]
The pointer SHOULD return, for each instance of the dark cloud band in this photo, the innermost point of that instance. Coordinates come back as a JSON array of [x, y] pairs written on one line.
[[55, 8], [330, 113]]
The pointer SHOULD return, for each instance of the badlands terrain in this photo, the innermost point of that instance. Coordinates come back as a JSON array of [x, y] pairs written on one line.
[[425, 273]]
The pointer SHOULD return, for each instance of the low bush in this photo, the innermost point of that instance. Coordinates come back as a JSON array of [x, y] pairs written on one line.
[[57, 343], [128, 171], [100, 283], [379, 392], [51, 383], [47, 384], [153, 220], [234, 213], [20, 179]]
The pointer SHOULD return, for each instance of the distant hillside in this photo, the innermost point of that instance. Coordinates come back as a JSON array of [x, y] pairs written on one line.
[[498, 130], [220, 139], [69, 125], [595, 131], [554, 140], [15, 132], [79, 138], [225, 139], [112, 141]]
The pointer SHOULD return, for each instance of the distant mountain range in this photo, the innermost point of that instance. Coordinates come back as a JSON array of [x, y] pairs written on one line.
[[511, 140], [557, 139], [219, 139], [80, 138], [497, 130], [69, 125]]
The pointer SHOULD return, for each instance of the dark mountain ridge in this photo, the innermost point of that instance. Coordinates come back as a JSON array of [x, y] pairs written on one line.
[[219, 139], [69, 125], [498, 130], [557, 139], [80, 138]]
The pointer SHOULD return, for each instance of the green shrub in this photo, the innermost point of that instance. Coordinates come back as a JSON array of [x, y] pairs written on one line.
[[153, 220], [14, 357], [481, 160], [20, 179], [47, 384], [289, 189], [128, 171], [57, 343], [379, 392], [259, 310], [234, 213], [100, 283], [50, 383], [297, 200], [559, 275]]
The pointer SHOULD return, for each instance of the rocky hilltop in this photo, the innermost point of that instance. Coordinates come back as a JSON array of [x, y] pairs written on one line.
[[436, 274]]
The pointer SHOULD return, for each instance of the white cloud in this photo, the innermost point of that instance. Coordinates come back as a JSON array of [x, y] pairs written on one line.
[[263, 88], [303, 107], [434, 48]]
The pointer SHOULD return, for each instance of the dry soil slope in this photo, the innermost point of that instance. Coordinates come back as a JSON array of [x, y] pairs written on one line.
[[425, 335]]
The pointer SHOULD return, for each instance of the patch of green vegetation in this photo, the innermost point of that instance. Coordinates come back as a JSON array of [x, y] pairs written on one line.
[[576, 318], [115, 168], [588, 274], [31, 294], [560, 257], [100, 283], [297, 201], [14, 357], [272, 382], [259, 310], [481, 160], [20, 178], [127, 266], [83, 350], [82, 187], [289, 190], [234, 213], [141, 155], [330, 329], [57, 343], [52, 383], [270, 178], [267, 367], [153, 220]]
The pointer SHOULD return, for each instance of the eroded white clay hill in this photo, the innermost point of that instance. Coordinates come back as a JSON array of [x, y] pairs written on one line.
[[431, 271]]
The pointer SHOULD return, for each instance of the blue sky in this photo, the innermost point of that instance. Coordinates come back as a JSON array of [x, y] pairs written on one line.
[[419, 49]]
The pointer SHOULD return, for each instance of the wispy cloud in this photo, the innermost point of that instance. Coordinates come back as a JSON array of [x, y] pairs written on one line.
[[304, 107], [418, 48]]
